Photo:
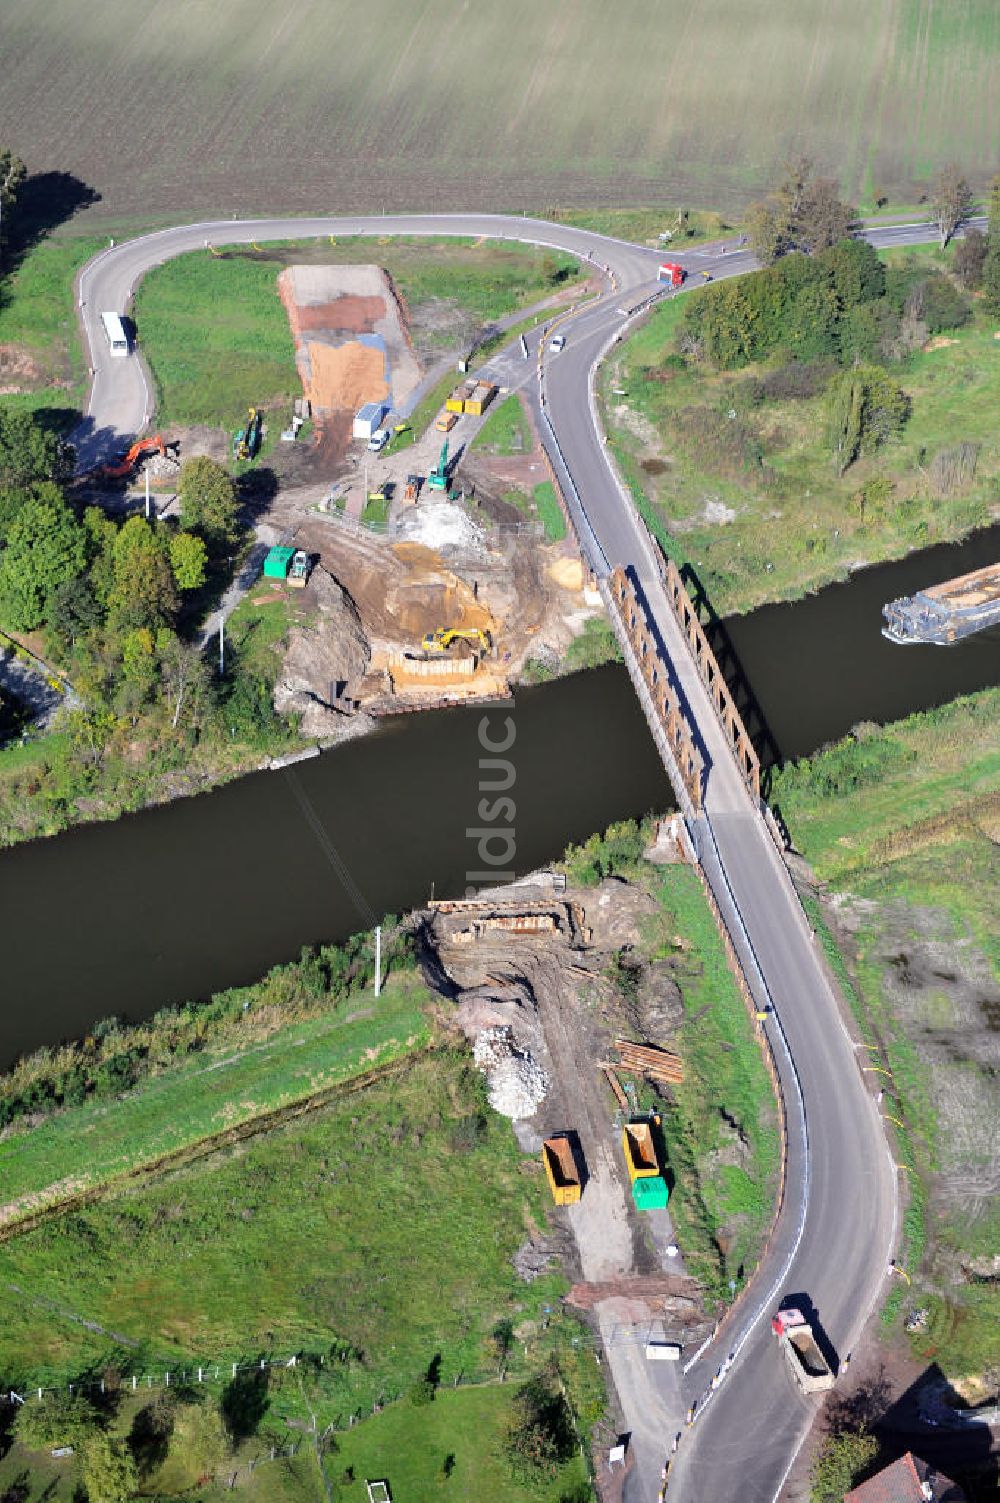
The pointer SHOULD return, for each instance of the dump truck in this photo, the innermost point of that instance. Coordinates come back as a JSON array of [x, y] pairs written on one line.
[[640, 1150], [561, 1170], [812, 1371]]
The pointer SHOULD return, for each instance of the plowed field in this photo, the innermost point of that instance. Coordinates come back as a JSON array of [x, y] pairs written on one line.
[[168, 106]]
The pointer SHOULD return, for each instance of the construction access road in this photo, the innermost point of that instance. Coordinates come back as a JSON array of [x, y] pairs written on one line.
[[834, 1234]]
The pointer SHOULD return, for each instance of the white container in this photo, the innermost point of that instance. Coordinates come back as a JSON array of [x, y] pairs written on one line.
[[662, 1351], [369, 419]]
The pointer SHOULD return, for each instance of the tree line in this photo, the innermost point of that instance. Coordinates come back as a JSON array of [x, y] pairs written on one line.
[[116, 601]]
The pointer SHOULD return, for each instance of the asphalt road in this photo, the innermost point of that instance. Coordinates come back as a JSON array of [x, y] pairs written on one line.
[[836, 1229]]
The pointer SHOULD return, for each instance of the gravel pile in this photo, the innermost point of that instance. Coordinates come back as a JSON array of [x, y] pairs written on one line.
[[517, 1083], [441, 524]]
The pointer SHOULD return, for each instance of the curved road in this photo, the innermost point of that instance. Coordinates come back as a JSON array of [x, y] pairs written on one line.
[[838, 1220]]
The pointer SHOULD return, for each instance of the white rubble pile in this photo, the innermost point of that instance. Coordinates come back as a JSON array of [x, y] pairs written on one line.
[[441, 524], [517, 1083]]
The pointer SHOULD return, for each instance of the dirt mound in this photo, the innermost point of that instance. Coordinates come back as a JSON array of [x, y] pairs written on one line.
[[348, 376]]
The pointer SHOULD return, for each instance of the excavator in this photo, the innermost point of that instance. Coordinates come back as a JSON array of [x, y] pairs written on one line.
[[246, 441], [447, 636], [127, 465], [437, 480]]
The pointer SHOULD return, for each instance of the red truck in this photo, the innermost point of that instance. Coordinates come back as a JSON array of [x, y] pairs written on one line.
[[671, 272]]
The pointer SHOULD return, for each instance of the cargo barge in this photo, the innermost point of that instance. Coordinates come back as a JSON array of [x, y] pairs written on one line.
[[945, 613]]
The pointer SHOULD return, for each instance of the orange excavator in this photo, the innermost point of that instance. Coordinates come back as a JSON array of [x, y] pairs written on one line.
[[141, 446]]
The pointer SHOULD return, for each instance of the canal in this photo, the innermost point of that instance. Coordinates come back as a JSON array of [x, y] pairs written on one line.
[[180, 901]]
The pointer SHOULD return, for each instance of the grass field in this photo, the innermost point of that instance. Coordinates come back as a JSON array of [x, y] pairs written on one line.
[[384, 1222], [236, 108], [410, 1447], [755, 503], [904, 820], [201, 314]]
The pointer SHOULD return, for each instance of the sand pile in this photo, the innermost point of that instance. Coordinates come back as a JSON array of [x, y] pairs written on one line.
[[517, 1083], [350, 343]]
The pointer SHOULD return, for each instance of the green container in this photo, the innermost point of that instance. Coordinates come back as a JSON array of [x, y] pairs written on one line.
[[650, 1193], [278, 563]]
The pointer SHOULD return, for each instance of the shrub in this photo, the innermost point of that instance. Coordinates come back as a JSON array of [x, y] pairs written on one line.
[[865, 410], [539, 1436]]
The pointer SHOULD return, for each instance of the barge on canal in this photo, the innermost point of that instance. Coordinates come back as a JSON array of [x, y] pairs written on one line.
[[945, 613]]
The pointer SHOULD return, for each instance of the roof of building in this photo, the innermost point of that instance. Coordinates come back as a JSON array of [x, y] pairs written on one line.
[[908, 1480]]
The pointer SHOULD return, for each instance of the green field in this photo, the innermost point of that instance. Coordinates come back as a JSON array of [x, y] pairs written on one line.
[[201, 313], [904, 821], [745, 489], [231, 109]]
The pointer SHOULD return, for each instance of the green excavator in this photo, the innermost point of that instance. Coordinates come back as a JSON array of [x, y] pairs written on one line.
[[437, 480]]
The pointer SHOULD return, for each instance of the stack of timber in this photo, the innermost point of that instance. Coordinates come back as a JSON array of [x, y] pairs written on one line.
[[647, 1059]]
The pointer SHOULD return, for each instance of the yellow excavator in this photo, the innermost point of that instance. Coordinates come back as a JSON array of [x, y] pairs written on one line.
[[447, 636]]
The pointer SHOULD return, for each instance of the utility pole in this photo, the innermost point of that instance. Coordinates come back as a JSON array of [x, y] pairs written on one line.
[[146, 473], [378, 959], [222, 645]]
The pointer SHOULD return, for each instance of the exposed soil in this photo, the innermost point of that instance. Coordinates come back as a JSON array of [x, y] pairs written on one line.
[[19, 371]]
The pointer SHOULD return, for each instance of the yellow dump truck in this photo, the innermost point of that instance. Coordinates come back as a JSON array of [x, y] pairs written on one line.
[[561, 1170], [480, 398], [458, 398], [640, 1149]]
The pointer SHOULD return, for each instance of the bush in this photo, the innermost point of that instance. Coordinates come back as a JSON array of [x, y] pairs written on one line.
[[865, 410], [970, 258], [58, 1419], [937, 302], [539, 1437], [842, 1462]]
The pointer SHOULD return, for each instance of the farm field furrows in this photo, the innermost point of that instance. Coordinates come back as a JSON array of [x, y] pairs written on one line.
[[238, 106]]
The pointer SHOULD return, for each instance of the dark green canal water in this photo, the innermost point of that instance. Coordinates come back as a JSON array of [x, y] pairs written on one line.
[[177, 902]]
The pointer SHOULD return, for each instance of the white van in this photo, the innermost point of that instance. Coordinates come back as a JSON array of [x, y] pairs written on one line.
[[378, 440]]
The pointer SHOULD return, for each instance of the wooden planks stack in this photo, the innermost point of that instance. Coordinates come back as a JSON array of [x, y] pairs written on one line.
[[647, 1059]]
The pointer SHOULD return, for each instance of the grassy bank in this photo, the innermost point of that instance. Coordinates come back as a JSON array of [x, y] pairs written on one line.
[[735, 470], [900, 824], [213, 1094]]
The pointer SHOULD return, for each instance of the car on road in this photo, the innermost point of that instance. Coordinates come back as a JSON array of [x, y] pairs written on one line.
[[378, 440], [557, 343]]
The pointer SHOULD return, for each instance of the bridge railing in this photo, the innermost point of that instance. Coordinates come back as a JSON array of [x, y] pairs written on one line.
[[667, 717]]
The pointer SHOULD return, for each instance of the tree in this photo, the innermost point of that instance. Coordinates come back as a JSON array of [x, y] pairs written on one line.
[[841, 1462], [767, 231], [803, 213], [72, 609], [540, 1433], [12, 175], [29, 451], [45, 547], [143, 593], [821, 217], [188, 560], [59, 1419], [970, 255], [208, 501], [138, 675], [952, 200], [857, 274], [108, 1469], [184, 677], [865, 409], [991, 265]]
